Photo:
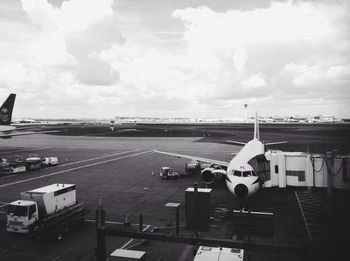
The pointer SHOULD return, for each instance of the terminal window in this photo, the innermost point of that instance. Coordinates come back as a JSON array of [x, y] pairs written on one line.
[[299, 173]]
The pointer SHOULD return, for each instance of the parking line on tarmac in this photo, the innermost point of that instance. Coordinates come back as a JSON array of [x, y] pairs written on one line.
[[76, 162], [76, 168], [131, 240], [100, 157], [114, 222], [32, 149]]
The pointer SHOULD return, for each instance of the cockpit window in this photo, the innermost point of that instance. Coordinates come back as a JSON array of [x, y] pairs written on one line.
[[247, 173], [237, 173]]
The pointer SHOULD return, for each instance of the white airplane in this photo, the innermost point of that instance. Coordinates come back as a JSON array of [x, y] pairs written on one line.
[[241, 179], [6, 129]]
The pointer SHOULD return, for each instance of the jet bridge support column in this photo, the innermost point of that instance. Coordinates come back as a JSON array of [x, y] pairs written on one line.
[[330, 166]]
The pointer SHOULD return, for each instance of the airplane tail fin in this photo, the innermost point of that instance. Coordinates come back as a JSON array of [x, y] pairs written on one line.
[[256, 127], [6, 110]]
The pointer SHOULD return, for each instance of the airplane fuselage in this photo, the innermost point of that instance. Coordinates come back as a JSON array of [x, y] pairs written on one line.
[[241, 180]]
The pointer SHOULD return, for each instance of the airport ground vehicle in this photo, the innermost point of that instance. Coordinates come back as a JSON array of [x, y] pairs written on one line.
[[49, 161], [49, 211], [167, 172], [7, 168], [193, 167], [33, 162], [205, 253]]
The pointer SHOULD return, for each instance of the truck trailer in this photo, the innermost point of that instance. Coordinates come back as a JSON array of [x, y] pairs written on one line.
[[49, 211]]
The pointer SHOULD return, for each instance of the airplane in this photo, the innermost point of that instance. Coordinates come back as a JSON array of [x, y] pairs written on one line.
[[6, 129], [244, 173]]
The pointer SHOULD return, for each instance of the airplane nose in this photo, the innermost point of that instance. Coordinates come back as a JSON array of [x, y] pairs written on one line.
[[241, 190]]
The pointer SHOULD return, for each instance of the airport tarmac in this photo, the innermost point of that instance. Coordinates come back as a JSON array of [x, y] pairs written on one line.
[[126, 172]]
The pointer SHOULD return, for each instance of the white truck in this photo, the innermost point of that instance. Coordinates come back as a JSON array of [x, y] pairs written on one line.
[[49, 161], [48, 211]]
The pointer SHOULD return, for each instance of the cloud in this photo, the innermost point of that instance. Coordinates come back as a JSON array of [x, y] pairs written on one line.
[[288, 53], [229, 56], [255, 81], [71, 34], [65, 19], [340, 72], [292, 47]]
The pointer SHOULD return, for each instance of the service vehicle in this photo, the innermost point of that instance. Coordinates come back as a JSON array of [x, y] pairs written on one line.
[[207, 253], [18, 168], [7, 168], [49, 161], [193, 167], [33, 162], [167, 172], [49, 211]]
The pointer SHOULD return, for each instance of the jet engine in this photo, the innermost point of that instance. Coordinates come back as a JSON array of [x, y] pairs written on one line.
[[208, 175]]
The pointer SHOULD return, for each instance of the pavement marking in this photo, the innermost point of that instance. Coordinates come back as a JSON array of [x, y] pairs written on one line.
[[115, 222], [121, 223], [100, 157], [4, 204], [76, 168], [129, 242], [74, 162], [32, 149]]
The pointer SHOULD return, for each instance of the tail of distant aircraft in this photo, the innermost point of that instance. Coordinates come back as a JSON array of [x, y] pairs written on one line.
[[6, 110]]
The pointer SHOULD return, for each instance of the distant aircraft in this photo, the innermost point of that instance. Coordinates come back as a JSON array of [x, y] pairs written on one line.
[[244, 173], [6, 130]]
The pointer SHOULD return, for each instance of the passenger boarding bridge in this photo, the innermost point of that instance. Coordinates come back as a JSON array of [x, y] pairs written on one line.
[[301, 169]]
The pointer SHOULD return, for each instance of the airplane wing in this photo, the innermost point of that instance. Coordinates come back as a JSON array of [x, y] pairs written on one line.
[[9, 135], [211, 161], [275, 143], [236, 142]]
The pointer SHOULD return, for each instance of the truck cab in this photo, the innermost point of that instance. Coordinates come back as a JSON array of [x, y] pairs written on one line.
[[22, 216], [167, 172]]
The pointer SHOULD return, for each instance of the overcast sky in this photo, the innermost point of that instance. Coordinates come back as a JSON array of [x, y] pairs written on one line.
[[183, 58]]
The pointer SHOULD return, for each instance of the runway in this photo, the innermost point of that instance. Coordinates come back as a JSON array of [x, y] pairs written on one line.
[[120, 168], [126, 172]]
